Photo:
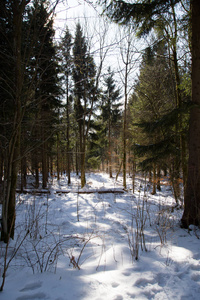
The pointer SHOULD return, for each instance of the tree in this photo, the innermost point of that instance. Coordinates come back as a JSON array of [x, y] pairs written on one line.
[[44, 69], [23, 57], [11, 22], [156, 114], [144, 14], [127, 57], [191, 213], [110, 112], [84, 92], [66, 46]]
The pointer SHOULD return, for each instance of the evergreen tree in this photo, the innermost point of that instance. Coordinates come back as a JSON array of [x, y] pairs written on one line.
[[66, 47], [144, 15], [44, 69], [84, 92], [158, 114], [148, 107], [12, 89]]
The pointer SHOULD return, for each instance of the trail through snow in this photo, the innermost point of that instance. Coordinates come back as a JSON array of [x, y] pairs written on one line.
[[83, 246]]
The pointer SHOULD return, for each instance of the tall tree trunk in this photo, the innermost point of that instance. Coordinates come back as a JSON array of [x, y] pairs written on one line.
[[8, 214], [119, 170], [82, 153], [58, 158], [133, 176], [1, 168], [158, 179], [174, 177], [77, 160], [179, 103], [68, 145], [109, 149], [36, 168], [154, 180], [83, 179], [191, 213], [44, 165], [125, 117], [23, 172]]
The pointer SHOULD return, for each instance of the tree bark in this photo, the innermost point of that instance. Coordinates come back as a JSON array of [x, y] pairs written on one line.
[[109, 148], [68, 141], [58, 158], [154, 180], [191, 213], [8, 214], [44, 162]]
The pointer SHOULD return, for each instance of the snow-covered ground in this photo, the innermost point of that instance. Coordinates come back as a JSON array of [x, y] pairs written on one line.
[[101, 246]]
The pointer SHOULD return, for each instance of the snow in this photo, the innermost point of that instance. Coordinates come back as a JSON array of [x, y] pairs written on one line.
[[83, 246]]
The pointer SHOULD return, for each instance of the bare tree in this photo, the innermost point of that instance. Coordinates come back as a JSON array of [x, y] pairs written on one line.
[[128, 53]]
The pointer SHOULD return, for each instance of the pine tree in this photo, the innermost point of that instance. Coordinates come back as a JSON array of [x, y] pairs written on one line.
[[44, 68], [84, 92], [66, 46], [155, 93], [144, 15], [11, 22]]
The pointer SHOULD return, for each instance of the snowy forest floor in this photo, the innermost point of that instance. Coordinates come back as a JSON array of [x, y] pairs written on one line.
[[101, 246]]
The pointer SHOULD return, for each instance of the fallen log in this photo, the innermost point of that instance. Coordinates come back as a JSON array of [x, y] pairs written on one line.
[[92, 191], [32, 191], [81, 191]]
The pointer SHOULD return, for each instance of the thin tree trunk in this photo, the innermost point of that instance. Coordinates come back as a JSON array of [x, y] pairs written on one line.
[[58, 159], [125, 121], [83, 179], [154, 180], [1, 168], [77, 160], [158, 179], [109, 149], [179, 161], [36, 169], [119, 170], [133, 178], [44, 165], [82, 153], [23, 172]]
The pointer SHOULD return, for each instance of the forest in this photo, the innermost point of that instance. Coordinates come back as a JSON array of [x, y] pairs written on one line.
[[66, 111]]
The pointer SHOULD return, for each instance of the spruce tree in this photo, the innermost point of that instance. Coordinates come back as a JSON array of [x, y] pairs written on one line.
[[155, 93], [44, 68], [11, 24], [66, 46], [144, 15], [84, 92]]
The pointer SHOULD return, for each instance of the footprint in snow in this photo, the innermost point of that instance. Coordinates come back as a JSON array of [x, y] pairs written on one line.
[[196, 276], [126, 273], [115, 284], [195, 267], [31, 286], [36, 296], [196, 256], [144, 282], [131, 295], [118, 297]]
